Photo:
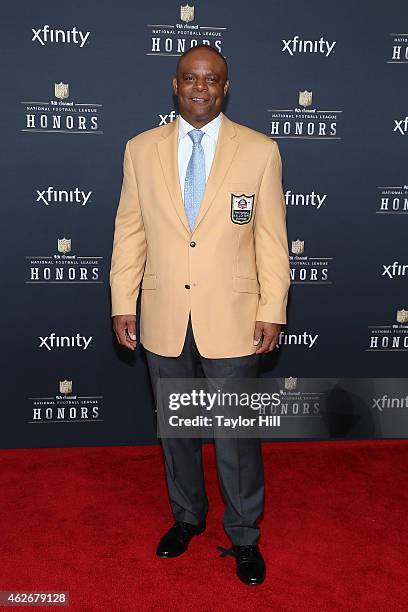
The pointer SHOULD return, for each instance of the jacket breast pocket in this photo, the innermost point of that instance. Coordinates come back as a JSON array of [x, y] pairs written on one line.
[[245, 285], [242, 202], [149, 281]]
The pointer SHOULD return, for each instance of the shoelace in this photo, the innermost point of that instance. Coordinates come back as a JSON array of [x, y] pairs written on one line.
[[246, 553], [185, 528]]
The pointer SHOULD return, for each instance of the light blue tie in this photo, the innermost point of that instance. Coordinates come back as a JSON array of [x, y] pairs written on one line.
[[194, 184]]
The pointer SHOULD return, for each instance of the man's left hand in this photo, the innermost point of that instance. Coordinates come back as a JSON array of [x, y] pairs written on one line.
[[270, 333]]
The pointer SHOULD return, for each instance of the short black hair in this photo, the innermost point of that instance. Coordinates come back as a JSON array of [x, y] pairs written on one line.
[[201, 46]]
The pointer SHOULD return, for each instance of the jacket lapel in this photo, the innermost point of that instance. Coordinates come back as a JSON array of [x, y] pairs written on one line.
[[168, 153], [226, 148]]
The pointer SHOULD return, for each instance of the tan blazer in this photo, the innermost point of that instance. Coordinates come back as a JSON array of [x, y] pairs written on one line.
[[231, 271]]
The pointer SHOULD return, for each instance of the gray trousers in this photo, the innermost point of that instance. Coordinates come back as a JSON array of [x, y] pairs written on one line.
[[239, 460]]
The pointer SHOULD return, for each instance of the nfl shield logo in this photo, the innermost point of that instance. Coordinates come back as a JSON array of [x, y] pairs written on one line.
[[402, 316], [305, 98], [290, 383], [61, 90], [298, 246], [186, 13], [241, 208], [65, 386], [64, 245]]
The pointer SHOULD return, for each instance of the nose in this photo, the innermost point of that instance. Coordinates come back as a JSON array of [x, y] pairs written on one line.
[[201, 83]]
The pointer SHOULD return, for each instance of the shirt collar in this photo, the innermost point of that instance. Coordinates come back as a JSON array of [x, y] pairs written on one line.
[[211, 128]]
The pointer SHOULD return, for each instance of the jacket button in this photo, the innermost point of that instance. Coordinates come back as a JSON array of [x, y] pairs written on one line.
[[192, 244], [187, 286]]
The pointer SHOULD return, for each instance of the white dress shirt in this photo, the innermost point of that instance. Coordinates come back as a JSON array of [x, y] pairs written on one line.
[[185, 145]]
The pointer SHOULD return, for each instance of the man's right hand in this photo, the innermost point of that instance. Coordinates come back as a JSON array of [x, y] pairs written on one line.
[[124, 327]]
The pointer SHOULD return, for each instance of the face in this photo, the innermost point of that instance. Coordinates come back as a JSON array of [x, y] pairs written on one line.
[[200, 84]]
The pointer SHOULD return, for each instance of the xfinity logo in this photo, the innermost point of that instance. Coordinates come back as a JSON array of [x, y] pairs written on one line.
[[304, 339], [395, 269], [51, 195], [53, 341], [389, 402], [167, 118], [46, 35], [301, 199], [401, 126], [296, 45]]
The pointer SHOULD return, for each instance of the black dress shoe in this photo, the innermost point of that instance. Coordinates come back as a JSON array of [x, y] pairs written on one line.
[[250, 564], [177, 539]]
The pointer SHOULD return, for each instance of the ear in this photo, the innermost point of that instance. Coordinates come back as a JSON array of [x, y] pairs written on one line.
[[174, 83], [226, 87]]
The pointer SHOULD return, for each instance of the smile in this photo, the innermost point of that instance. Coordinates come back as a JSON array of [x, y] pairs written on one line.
[[199, 100]]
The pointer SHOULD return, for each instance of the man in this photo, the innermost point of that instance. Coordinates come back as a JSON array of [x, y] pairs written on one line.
[[201, 229]]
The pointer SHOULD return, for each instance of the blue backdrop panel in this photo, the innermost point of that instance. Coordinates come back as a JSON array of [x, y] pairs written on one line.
[[327, 81]]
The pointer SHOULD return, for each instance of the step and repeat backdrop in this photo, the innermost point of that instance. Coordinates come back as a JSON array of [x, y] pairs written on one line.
[[328, 81]]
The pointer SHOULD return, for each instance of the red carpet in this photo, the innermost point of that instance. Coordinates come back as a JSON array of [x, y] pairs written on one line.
[[87, 520]]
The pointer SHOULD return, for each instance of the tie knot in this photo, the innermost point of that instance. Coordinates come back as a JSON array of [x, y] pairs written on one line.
[[196, 136]]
